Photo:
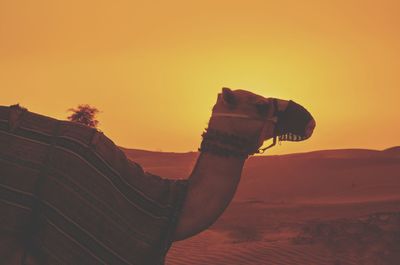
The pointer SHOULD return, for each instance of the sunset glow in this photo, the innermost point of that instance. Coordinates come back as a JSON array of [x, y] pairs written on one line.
[[154, 68]]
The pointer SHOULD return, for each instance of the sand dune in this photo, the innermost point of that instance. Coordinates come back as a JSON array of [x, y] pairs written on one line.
[[332, 175], [331, 207]]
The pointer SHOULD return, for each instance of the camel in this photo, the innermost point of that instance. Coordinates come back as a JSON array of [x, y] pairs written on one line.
[[68, 194]]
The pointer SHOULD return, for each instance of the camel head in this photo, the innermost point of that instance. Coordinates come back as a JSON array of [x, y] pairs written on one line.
[[276, 118]]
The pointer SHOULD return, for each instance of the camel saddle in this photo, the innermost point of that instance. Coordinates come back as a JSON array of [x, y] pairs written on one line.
[[69, 195]]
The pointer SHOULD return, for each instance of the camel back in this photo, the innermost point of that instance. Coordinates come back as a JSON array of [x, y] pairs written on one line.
[[69, 195]]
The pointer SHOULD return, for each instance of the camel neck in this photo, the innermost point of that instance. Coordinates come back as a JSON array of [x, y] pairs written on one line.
[[226, 168], [212, 185]]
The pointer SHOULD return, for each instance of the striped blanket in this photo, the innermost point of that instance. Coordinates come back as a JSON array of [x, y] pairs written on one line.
[[69, 195]]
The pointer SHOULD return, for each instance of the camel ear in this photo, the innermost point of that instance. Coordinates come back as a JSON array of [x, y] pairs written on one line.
[[228, 96]]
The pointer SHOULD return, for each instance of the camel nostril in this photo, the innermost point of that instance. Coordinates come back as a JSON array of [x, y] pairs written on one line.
[[310, 128]]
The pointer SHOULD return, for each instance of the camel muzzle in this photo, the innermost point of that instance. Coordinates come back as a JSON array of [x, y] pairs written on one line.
[[295, 123]]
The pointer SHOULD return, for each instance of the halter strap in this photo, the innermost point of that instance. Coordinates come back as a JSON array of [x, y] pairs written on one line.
[[273, 119], [233, 115], [241, 116]]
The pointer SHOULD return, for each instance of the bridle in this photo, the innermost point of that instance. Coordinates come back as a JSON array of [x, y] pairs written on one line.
[[273, 119]]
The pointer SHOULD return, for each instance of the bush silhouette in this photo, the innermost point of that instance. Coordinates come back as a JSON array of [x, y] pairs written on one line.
[[84, 114]]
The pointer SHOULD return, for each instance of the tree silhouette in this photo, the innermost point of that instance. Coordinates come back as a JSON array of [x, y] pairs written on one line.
[[84, 114]]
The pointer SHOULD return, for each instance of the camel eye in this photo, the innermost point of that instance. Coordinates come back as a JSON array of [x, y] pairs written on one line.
[[262, 108]]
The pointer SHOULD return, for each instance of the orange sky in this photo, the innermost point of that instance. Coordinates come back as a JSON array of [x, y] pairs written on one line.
[[155, 68]]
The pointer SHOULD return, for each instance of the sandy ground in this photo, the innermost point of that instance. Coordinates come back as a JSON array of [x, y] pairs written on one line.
[[327, 207]]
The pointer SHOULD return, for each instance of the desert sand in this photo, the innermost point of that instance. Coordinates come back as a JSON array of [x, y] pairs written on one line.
[[325, 207]]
